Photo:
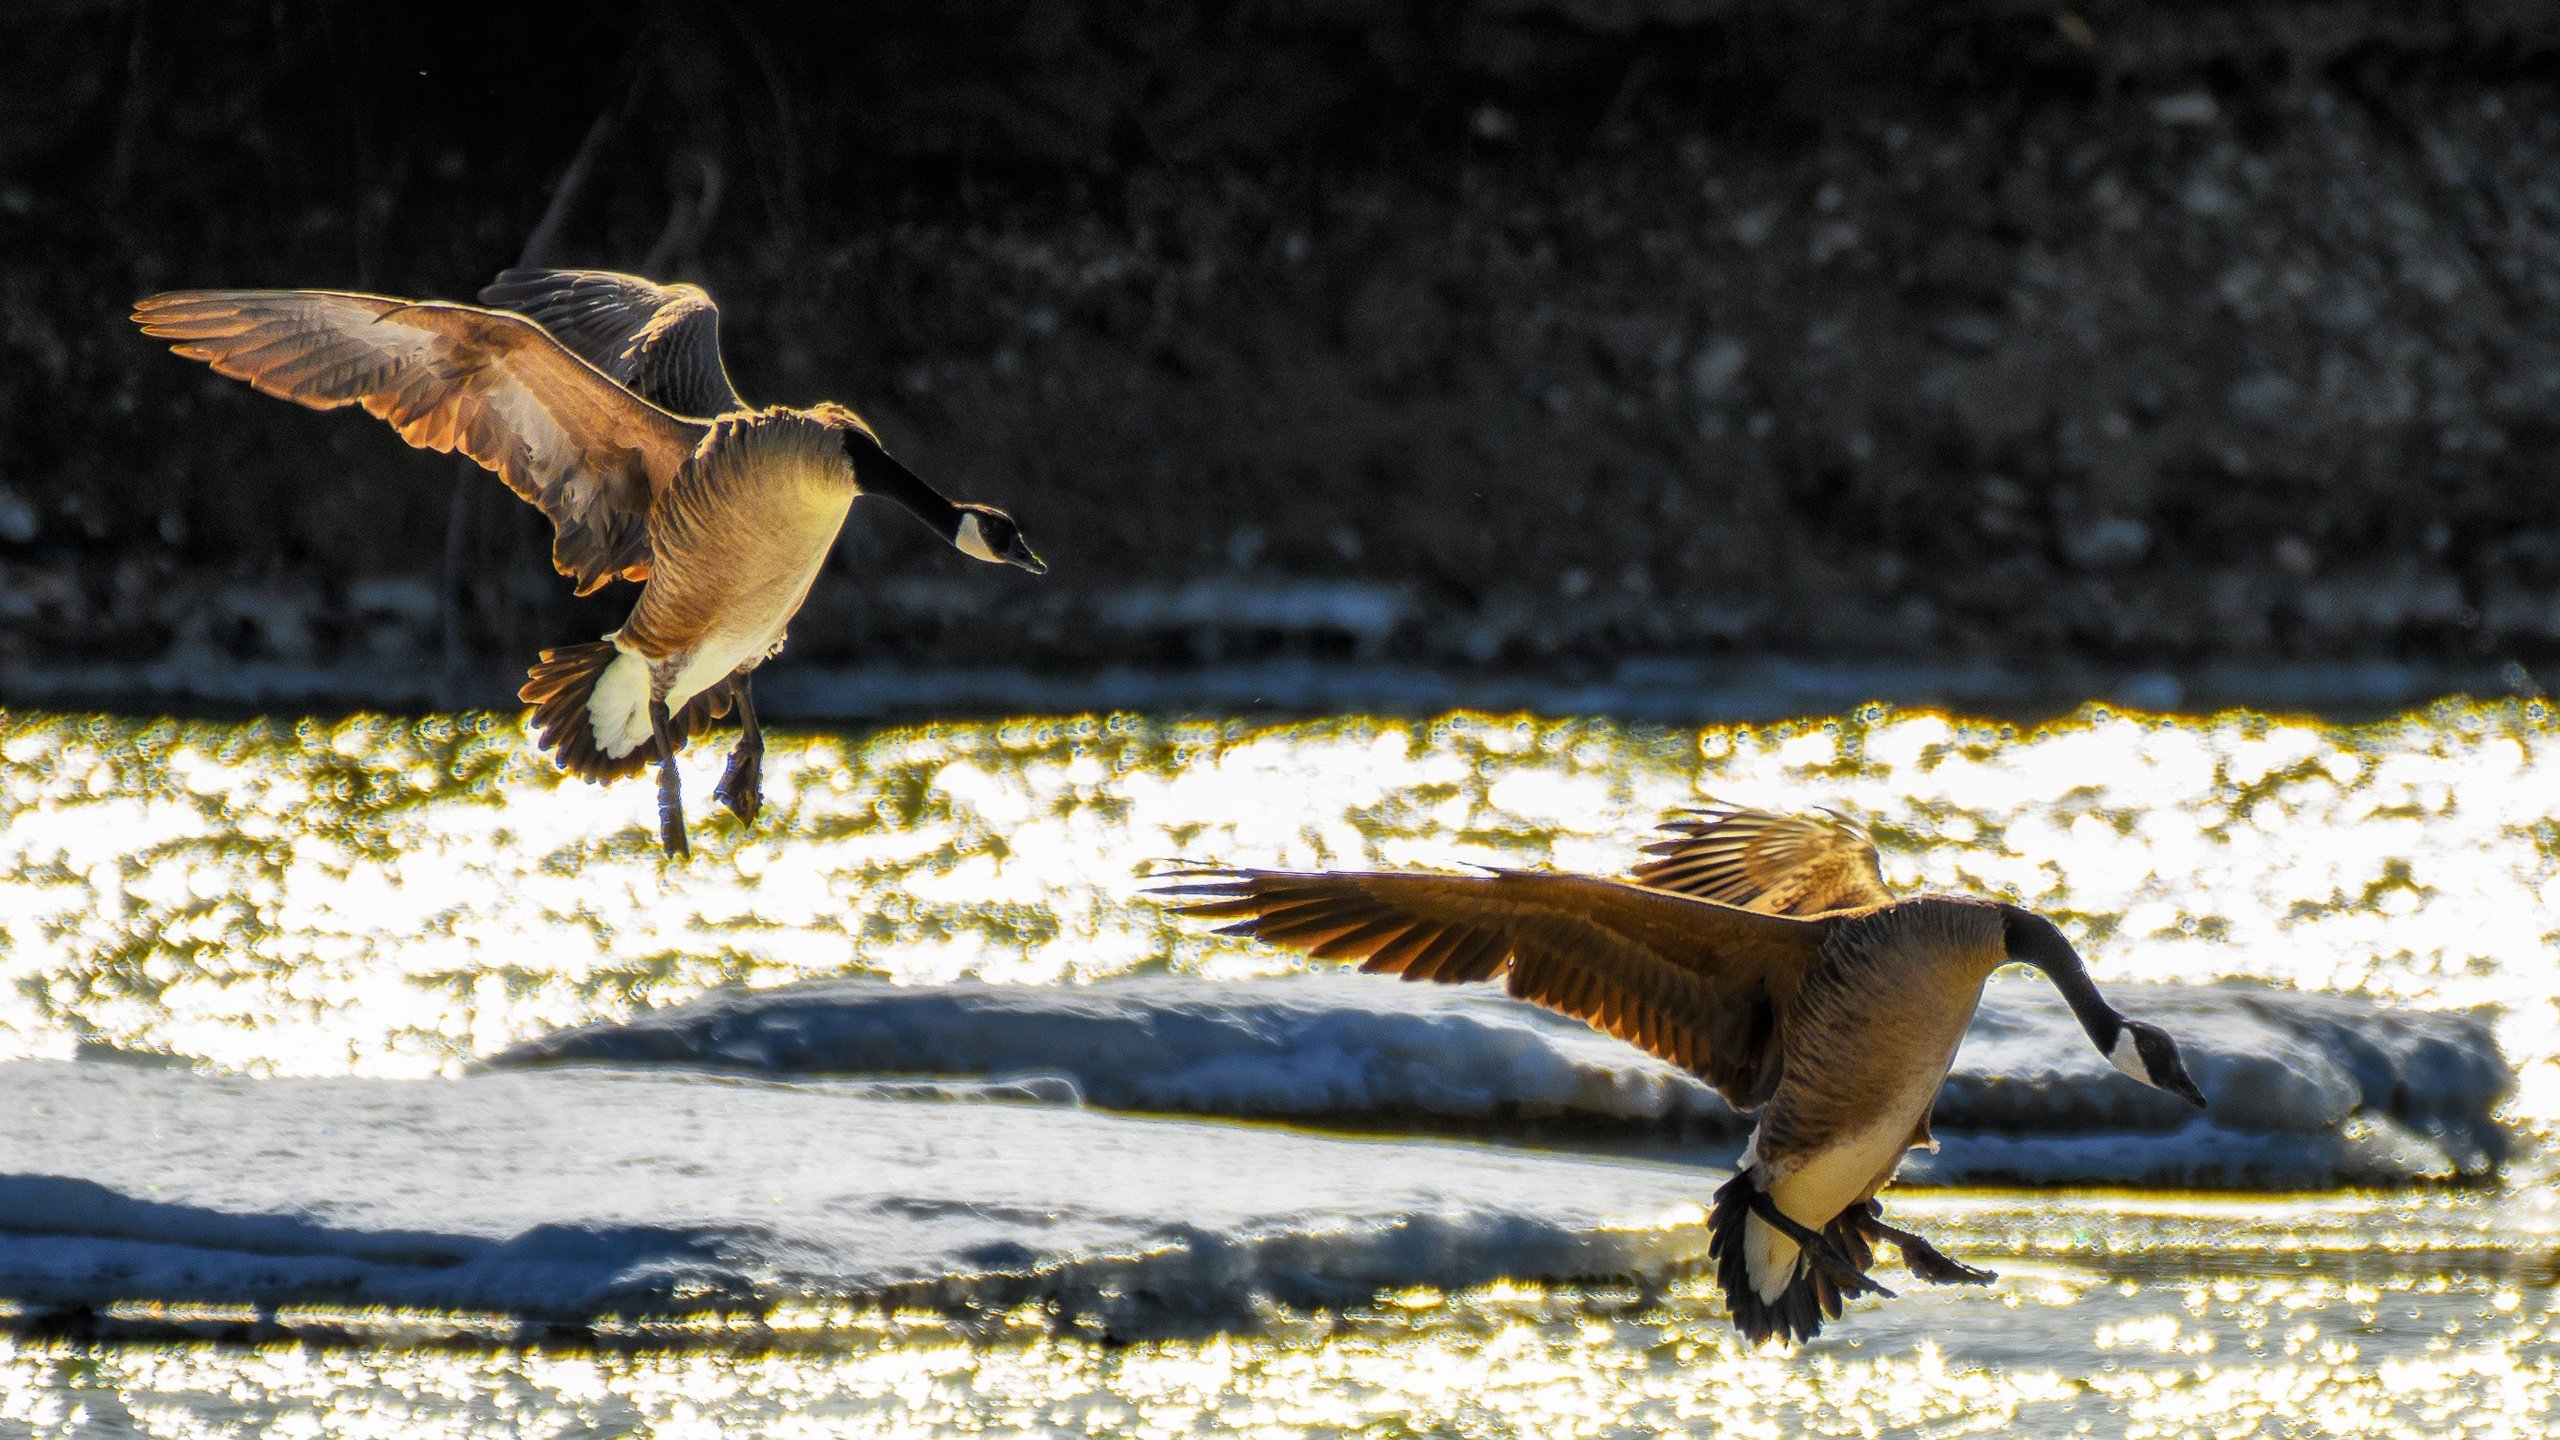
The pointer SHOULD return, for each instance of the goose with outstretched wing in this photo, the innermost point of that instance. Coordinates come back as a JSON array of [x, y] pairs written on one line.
[[647, 466], [1835, 1024]]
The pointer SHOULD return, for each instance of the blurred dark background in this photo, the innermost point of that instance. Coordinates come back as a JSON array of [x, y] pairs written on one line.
[[1963, 350]]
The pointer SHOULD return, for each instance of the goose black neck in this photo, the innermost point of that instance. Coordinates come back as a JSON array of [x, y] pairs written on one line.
[[2034, 940], [877, 472]]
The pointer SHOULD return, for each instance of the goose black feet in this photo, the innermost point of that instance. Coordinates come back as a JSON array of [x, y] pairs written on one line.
[[741, 786], [670, 791], [1924, 1259], [1935, 1267], [1818, 1248]]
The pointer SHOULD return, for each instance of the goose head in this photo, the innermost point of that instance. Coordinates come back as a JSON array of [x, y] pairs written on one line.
[[981, 532], [2146, 1053], [2139, 1049], [984, 532]]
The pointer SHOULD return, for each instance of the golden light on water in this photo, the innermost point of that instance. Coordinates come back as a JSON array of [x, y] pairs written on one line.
[[393, 897], [2266, 1357]]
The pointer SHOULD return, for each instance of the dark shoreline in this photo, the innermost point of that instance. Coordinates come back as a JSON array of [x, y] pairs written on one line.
[[1529, 338]]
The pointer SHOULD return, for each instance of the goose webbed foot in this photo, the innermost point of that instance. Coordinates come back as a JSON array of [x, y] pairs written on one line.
[[742, 784], [671, 838], [1925, 1260], [1818, 1248], [1936, 1268]]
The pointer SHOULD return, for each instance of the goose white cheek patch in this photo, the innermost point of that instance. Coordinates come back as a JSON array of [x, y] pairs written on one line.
[[2128, 1058], [971, 542]]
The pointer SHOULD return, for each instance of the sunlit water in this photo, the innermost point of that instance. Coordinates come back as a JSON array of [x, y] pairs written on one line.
[[2065, 1351], [395, 897]]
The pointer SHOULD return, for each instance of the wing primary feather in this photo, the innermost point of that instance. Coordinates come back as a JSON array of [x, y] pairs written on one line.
[[1363, 938], [1399, 954], [561, 434], [1312, 927], [1479, 957], [1775, 864], [1433, 959], [1415, 955], [1696, 982]]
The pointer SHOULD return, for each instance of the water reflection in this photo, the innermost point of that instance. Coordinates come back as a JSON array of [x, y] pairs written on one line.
[[2303, 1355]]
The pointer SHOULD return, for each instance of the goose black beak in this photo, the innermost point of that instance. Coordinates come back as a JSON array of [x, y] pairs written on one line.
[[1022, 558], [2185, 1089]]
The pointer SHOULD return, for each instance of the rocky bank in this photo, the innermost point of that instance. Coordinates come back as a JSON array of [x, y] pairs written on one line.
[[2181, 351]]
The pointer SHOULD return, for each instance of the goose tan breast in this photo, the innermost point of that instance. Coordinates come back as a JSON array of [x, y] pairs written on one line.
[[1876, 1026], [737, 542]]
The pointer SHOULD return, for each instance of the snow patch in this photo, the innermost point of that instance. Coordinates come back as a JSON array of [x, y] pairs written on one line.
[[1328, 1047], [2306, 1090], [575, 1194]]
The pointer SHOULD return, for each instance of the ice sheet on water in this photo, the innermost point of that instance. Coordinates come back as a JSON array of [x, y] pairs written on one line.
[[638, 1184], [2303, 1090], [2307, 1090], [570, 1194], [1313, 1047]]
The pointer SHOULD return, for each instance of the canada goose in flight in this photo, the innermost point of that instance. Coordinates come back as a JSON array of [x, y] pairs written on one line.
[[1761, 953], [621, 426]]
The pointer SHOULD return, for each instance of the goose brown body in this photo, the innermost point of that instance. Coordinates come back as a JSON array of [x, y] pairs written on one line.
[[1873, 1031], [724, 515], [736, 543], [1836, 1026]]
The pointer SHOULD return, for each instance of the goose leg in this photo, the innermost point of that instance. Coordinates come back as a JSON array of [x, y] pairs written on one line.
[[742, 784], [670, 795], [1924, 1259], [1818, 1249]]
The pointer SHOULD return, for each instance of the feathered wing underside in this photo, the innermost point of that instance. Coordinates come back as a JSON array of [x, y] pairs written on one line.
[[661, 340], [592, 456], [1698, 984], [1775, 864]]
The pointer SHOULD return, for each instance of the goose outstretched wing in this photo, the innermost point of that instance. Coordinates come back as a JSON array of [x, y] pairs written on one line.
[[591, 455], [1775, 864], [1698, 984], [661, 340]]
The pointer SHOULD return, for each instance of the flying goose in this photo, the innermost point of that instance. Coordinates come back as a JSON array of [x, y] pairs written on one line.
[[1763, 954], [623, 429]]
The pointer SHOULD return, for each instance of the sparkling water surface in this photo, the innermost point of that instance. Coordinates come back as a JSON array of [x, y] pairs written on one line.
[[396, 896], [2063, 1351]]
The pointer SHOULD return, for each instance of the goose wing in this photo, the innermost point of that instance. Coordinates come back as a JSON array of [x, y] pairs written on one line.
[[589, 454], [661, 340], [1775, 864], [1701, 985]]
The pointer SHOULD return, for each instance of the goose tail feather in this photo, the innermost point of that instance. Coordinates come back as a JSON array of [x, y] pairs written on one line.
[[590, 710], [1809, 1298]]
